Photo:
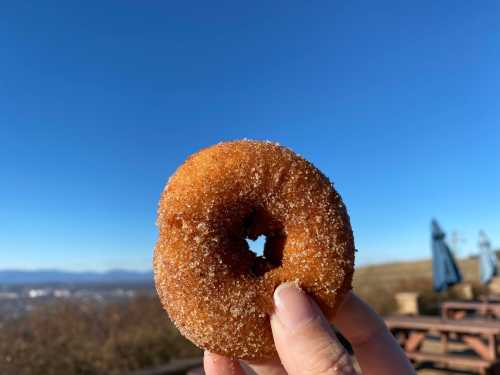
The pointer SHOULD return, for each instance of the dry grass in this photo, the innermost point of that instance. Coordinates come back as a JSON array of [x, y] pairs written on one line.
[[378, 284], [94, 339], [75, 338], [422, 269]]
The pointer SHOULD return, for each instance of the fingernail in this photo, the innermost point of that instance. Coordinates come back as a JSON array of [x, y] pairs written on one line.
[[293, 307]]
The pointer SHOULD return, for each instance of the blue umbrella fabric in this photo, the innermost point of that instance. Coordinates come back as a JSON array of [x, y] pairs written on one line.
[[487, 261], [445, 271]]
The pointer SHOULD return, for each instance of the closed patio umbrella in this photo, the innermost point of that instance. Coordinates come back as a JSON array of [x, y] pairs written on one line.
[[445, 272], [487, 261]]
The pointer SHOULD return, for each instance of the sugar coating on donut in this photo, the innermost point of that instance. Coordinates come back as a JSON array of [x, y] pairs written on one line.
[[218, 292]]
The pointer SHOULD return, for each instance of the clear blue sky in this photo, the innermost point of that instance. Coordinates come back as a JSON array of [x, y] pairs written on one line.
[[398, 103]]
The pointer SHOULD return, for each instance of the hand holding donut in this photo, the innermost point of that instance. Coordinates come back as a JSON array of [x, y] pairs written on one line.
[[307, 345], [273, 310]]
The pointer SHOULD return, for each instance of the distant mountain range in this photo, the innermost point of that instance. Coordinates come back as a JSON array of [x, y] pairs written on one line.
[[9, 277]]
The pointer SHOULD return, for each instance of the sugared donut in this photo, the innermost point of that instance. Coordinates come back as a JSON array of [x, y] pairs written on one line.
[[217, 291]]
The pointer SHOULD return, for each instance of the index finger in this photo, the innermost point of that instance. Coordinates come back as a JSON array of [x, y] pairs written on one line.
[[377, 351]]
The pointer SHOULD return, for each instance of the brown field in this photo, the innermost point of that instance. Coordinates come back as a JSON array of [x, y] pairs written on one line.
[[377, 284], [91, 339], [421, 269], [94, 339]]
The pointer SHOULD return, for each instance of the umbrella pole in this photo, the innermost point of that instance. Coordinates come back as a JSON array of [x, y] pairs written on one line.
[[440, 299], [439, 302]]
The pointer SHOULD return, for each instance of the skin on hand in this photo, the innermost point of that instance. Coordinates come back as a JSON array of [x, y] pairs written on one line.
[[307, 345]]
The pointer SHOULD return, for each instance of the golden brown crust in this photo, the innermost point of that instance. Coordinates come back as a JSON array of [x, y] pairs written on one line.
[[217, 292]]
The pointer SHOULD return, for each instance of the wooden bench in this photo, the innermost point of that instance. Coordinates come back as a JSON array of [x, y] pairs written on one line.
[[449, 359], [459, 310], [490, 298], [480, 337]]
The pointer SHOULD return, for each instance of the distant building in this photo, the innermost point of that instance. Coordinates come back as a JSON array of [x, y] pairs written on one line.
[[61, 293], [8, 295], [37, 293]]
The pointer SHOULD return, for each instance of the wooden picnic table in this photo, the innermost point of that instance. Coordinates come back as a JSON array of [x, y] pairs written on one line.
[[478, 336], [490, 298], [459, 310]]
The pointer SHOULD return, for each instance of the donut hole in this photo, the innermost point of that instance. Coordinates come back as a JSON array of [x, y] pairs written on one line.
[[265, 238], [266, 257], [269, 248], [257, 246]]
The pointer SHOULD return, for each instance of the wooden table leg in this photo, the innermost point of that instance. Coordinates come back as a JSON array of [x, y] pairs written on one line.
[[485, 351], [414, 341], [444, 342], [444, 313], [496, 311], [492, 343]]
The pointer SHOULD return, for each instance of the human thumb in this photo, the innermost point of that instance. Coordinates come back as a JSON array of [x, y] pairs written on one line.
[[303, 337]]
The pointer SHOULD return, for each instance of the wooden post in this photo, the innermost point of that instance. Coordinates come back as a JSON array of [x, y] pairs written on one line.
[[407, 303], [444, 342]]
